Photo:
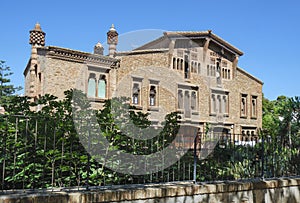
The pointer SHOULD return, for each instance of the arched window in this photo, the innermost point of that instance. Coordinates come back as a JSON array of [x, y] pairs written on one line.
[[187, 111], [225, 104], [174, 63], [243, 105], [219, 110], [186, 67], [181, 64], [180, 99], [136, 94], [194, 101], [199, 68], [91, 86], [243, 102], [213, 103], [152, 95], [195, 67], [253, 107], [208, 70], [102, 87]]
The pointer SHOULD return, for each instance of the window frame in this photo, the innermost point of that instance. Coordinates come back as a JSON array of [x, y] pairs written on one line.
[[245, 114], [254, 97], [136, 81]]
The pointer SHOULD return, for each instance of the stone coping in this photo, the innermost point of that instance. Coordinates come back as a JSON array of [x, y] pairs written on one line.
[[143, 191]]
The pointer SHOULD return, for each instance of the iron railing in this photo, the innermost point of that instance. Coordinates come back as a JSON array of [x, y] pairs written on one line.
[[36, 152]]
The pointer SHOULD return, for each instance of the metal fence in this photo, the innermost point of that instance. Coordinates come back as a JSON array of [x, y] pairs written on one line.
[[37, 152]]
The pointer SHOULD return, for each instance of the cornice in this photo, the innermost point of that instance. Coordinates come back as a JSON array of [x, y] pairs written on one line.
[[78, 56]]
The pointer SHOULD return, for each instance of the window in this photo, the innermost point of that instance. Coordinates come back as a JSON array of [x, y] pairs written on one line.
[[249, 134], [180, 99], [136, 97], [102, 87], [253, 106], [219, 103], [208, 71], [186, 67], [188, 100], [244, 105], [187, 110], [174, 63], [194, 100], [213, 104], [195, 67], [152, 96], [225, 104], [180, 64], [226, 73], [91, 86], [211, 70], [97, 83], [136, 94]]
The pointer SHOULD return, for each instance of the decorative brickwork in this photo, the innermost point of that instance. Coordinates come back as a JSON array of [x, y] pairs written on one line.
[[37, 36]]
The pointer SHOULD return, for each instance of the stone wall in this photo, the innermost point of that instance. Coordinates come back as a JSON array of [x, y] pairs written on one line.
[[59, 76], [283, 190], [158, 66]]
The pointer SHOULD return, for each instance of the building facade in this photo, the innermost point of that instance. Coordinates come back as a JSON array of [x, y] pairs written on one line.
[[193, 73]]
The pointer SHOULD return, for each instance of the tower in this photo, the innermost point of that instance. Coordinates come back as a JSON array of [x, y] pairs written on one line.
[[112, 40], [37, 39]]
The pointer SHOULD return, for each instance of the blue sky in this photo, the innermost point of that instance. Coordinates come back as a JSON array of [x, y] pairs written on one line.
[[266, 31]]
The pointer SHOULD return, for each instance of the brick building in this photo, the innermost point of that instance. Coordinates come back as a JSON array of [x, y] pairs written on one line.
[[194, 73]]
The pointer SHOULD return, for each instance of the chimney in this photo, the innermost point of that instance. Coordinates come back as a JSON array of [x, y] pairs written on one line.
[[37, 36], [98, 49], [112, 40]]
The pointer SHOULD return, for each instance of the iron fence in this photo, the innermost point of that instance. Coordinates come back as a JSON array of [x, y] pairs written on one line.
[[39, 152]]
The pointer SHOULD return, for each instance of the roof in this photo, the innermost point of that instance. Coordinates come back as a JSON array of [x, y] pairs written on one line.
[[141, 51], [193, 35]]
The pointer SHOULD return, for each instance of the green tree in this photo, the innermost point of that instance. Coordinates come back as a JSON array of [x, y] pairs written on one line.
[[281, 118], [6, 88], [270, 117]]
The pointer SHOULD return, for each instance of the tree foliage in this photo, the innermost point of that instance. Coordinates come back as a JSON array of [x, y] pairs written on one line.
[[281, 118], [42, 148], [6, 88]]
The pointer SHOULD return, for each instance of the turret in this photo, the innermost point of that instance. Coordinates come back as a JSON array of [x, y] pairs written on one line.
[[37, 39], [98, 49], [112, 40]]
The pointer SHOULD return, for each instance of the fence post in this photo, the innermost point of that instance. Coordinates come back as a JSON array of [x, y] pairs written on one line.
[[263, 158], [195, 157], [88, 157]]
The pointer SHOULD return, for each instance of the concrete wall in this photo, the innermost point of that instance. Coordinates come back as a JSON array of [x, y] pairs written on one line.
[[284, 190]]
